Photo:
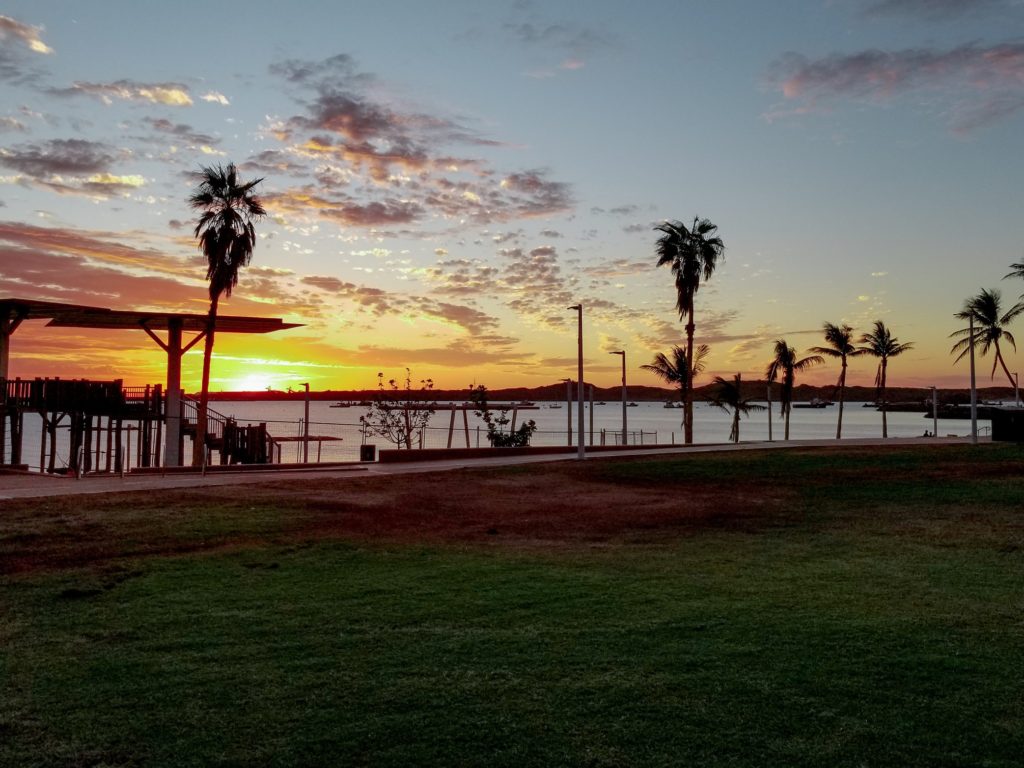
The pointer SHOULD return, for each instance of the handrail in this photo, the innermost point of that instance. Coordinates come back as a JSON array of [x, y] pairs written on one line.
[[215, 421]]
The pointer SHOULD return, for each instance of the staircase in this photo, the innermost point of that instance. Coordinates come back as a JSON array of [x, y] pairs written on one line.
[[235, 444]]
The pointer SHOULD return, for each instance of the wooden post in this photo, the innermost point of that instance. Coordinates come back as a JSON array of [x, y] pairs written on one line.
[[42, 440], [110, 443], [465, 424], [451, 427], [119, 460]]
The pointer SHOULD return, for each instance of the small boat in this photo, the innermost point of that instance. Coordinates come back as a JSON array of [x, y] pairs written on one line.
[[814, 402], [632, 405], [670, 404], [524, 404], [342, 405], [601, 403], [554, 405]]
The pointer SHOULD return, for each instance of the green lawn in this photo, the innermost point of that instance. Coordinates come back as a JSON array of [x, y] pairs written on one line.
[[870, 613]]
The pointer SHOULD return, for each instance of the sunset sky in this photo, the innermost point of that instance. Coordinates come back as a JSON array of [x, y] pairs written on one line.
[[444, 179]]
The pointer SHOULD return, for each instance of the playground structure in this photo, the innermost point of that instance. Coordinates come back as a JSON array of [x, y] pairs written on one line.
[[103, 416]]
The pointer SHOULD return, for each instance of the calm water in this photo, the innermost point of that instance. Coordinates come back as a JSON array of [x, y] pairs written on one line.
[[646, 423]]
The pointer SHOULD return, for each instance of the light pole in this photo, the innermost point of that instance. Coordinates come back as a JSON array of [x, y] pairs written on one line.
[[1016, 388], [579, 383], [623, 353], [305, 428], [568, 413]]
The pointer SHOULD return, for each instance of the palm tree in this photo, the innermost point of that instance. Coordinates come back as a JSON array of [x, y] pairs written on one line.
[[729, 394], [882, 344], [986, 311], [693, 255], [785, 366], [840, 341], [1018, 271], [227, 238], [675, 369]]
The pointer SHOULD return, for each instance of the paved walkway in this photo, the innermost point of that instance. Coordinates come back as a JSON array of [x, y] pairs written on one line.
[[32, 485]]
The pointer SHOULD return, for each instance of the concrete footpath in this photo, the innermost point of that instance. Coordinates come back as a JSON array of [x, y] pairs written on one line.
[[33, 485]]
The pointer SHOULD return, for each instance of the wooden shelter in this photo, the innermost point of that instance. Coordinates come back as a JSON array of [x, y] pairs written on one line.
[[174, 325]]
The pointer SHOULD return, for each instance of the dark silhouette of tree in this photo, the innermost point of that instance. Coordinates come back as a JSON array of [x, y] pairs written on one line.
[[989, 328], [674, 368], [784, 366], [226, 238], [1018, 271], [693, 254], [840, 346], [728, 395], [882, 344]]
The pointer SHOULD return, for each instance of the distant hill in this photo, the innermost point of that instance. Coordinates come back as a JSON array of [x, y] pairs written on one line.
[[556, 392]]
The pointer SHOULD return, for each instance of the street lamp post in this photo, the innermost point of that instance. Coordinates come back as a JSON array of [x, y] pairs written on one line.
[[568, 412], [623, 353], [1016, 388], [579, 384]]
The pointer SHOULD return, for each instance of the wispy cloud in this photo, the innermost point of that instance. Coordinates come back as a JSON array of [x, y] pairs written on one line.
[[12, 124], [181, 131], [932, 10], [27, 35], [168, 94], [473, 321], [69, 166], [979, 84], [215, 97], [378, 163]]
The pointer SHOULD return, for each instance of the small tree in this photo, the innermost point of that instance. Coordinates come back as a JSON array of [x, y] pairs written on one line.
[[728, 395], [395, 414], [497, 421]]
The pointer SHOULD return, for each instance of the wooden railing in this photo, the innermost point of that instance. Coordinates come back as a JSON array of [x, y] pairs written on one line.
[[96, 398]]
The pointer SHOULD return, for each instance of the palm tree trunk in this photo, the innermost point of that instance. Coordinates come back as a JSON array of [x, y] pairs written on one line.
[[199, 441], [881, 382], [999, 357], [688, 405], [786, 396], [842, 395], [735, 426]]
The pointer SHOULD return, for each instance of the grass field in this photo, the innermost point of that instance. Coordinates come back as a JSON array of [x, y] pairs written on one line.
[[843, 607]]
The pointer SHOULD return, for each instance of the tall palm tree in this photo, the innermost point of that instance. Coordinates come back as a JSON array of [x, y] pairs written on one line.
[[882, 344], [693, 254], [227, 238], [729, 395], [840, 346], [785, 366], [989, 321], [675, 369]]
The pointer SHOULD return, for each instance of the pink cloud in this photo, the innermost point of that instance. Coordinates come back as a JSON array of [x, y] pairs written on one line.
[[980, 84]]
